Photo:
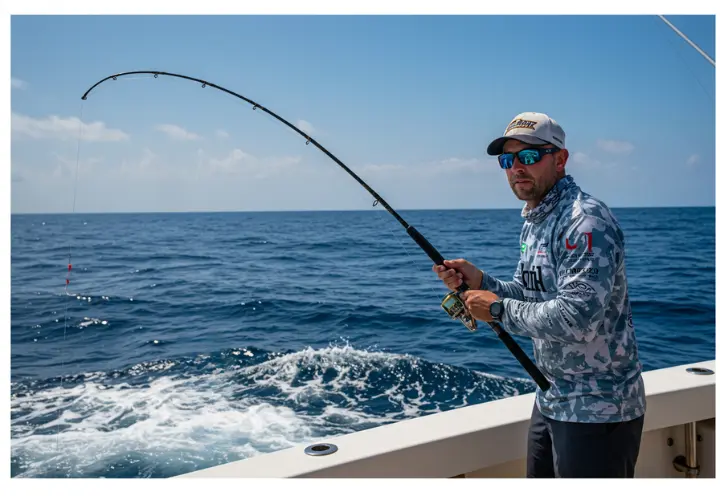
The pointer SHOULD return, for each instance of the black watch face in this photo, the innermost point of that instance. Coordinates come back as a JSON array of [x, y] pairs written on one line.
[[495, 309]]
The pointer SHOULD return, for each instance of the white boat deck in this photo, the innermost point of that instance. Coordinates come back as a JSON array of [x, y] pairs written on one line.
[[489, 439]]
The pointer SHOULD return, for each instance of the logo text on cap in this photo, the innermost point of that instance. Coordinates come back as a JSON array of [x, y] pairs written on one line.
[[521, 123]]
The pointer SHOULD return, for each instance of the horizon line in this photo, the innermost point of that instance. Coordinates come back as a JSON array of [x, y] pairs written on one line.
[[143, 212]]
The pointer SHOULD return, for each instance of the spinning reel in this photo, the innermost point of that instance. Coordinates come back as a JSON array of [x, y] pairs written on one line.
[[454, 306]]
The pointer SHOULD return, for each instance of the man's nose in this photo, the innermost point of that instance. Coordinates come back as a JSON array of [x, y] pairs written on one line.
[[517, 167]]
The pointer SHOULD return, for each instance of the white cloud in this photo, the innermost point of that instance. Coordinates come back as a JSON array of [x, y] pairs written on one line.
[[71, 164], [449, 166], [227, 163], [583, 160], [239, 161], [176, 132], [468, 165], [222, 133], [144, 166], [64, 129], [693, 159], [615, 146], [305, 126], [369, 168], [18, 83], [147, 159]]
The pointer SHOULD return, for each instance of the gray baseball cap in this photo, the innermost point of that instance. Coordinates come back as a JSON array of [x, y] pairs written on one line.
[[533, 128]]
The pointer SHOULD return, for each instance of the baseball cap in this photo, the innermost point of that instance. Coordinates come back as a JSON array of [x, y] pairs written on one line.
[[533, 128]]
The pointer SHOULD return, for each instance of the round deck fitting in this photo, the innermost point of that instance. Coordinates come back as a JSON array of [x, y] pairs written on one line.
[[318, 449], [700, 370]]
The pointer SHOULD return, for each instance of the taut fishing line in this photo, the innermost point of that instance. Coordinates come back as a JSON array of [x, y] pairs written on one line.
[[69, 266], [451, 303]]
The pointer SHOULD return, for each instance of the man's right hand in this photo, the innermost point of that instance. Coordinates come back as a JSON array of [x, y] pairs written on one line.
[[455, 271]]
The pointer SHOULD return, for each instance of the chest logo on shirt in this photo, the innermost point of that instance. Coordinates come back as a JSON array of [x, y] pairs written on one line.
[[532, 278], [541, 250]]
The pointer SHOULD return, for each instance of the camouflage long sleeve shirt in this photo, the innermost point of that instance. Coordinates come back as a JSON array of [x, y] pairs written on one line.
[[570, 295]]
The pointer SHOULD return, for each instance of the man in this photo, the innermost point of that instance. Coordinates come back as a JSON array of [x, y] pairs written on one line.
[[570, 295]]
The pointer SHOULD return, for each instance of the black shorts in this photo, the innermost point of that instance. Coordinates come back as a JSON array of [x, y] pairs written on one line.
[[582, 450]]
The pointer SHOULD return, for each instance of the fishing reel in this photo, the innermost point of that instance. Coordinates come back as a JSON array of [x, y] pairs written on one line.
[[455, 307]]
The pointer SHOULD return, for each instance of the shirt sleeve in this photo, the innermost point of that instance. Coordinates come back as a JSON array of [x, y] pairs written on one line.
[[589, 253], [512, 289]]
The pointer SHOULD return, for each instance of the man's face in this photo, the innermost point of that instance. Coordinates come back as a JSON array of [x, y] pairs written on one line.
[[530, 183]]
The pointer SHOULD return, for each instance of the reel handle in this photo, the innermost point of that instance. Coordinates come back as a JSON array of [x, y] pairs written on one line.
[[504, 336]]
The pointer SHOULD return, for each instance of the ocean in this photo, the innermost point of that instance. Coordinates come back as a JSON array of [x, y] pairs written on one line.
[[186, 341]]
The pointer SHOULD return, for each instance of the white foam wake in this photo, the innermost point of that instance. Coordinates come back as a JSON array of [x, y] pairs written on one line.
[[171, 424], [164, 422]]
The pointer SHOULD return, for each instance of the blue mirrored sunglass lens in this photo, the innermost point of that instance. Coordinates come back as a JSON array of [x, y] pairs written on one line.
[[506, 161], [527, 157]]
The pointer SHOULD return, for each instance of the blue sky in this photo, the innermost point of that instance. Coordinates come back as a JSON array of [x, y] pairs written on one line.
[[407, 102]]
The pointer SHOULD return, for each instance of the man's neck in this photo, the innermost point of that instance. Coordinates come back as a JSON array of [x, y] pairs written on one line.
[[532, 204]]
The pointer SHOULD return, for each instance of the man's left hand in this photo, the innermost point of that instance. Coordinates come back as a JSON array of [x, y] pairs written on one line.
[[478, 303]]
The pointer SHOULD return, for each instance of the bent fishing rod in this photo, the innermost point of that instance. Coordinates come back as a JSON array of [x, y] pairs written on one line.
[[451, 303]]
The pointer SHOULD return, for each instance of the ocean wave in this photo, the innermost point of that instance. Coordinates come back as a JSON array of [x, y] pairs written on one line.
[[165, 417]]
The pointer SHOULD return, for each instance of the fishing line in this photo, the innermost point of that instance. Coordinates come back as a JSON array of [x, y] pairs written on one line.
[[452, 303], [69, 266]]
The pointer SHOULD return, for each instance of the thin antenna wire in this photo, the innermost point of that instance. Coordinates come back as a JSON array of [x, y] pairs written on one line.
[[712, 62], [677, 50]]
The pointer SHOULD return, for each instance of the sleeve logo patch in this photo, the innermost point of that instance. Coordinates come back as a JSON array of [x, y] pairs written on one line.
[[573, 246], [576, 250]]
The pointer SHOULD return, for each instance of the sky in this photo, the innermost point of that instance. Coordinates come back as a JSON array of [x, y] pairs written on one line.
[[409, 103]]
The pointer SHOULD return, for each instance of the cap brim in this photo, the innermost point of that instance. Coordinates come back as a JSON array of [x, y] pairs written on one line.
[[496, 146]]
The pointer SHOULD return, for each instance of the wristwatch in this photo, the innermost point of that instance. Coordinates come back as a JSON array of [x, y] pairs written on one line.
[[497, 308]]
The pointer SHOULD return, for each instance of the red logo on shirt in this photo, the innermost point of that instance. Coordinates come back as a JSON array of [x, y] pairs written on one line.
[[574, 245]]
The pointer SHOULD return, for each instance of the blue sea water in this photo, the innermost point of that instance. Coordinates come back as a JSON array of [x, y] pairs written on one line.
[[190, 340]]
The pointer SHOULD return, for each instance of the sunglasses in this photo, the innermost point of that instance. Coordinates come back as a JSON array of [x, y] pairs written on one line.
[[525, 156]]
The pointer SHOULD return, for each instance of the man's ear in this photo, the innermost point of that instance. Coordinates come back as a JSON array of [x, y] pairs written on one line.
[[561, 159]]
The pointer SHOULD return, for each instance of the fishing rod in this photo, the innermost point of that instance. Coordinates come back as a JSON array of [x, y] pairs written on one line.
[[451, 303]]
